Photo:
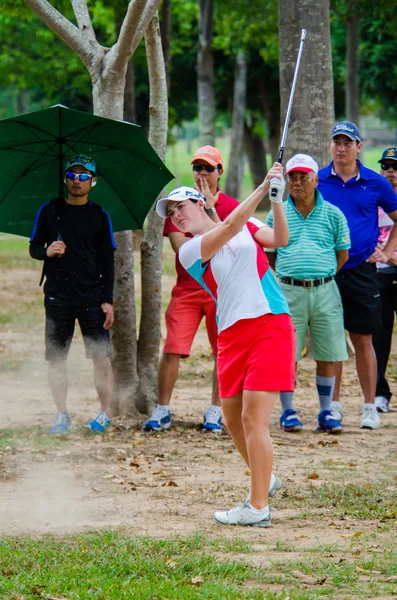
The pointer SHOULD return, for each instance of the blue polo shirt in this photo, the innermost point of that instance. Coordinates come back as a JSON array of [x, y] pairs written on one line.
[[359, 199]]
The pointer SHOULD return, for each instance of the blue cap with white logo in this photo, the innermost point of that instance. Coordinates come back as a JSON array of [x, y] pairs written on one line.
[[347, 128], [389, 154], [81, 159]]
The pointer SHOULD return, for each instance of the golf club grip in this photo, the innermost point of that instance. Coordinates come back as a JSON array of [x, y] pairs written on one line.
[[273, 191]]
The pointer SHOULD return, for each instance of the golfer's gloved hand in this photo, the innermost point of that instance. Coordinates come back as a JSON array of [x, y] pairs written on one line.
[[276, 185]]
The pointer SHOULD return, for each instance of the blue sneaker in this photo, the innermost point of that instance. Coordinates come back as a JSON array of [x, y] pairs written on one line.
[[100, 423], [159, 419], [62, 424], [289, 421], [327, 422], [212, 419]]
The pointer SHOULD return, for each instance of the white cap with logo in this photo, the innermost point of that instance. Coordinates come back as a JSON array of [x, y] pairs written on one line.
[[301, 162], [178, 195]]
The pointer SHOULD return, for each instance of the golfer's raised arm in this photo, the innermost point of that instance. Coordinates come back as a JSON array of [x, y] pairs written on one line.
[[213, 240]]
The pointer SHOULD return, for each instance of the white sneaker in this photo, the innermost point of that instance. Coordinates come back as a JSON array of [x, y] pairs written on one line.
[[382, 404], [337, 411], [275, 485], [212, 419], [243, 515], [370, 418]]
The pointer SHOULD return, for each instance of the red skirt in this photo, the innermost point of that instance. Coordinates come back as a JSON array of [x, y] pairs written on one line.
[[257, 354]]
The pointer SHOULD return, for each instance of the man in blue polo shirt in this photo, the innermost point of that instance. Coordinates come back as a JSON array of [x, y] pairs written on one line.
[[358, 192], [317, 248]]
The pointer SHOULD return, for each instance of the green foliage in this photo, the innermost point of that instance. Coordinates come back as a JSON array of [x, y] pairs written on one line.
[[378, 68]]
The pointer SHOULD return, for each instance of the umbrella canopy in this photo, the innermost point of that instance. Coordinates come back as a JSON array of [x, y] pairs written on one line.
[[33, 151]]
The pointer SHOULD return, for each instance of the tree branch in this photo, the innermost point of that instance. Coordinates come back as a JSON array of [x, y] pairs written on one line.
[[68, 32], [136, 21], [83, 18]]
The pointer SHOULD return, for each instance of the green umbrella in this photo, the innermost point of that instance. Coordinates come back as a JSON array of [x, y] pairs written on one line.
[[33, 151]]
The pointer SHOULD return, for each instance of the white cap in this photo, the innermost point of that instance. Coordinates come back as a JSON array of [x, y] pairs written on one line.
[[301, 162], [178, 195]]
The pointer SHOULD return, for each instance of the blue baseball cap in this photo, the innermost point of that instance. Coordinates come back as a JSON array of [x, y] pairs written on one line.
[[389, 154], [347, 128], [80, 159]]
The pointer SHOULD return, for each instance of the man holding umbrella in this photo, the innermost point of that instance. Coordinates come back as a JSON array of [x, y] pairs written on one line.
[[74, 238]]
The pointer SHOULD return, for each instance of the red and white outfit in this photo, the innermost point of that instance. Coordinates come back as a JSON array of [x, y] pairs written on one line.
[[256, 339], [189, 302]]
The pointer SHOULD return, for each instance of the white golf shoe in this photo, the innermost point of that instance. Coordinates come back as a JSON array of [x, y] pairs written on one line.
[[243, 515], [370, 418]]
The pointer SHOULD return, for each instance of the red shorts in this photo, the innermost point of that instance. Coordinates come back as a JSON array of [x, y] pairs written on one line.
[[183, 317], [257, 354]]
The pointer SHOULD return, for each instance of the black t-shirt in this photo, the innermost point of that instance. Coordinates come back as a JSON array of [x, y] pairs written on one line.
[[84, 275]]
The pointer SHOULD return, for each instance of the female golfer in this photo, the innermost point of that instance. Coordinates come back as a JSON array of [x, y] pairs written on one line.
[[256, 338]]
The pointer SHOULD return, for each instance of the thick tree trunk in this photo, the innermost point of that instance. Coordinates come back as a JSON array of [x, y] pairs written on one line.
[[108, 101], [352, 68], [313, 110], [152, 245], [256, 154], [235, 171], [205, 75]]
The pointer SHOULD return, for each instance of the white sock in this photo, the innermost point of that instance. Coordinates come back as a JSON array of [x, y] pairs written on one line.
[[336, 404], [272, 480], [263, 512], [214, 407], [164, 408]]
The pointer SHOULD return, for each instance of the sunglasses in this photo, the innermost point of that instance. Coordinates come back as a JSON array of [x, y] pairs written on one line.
[[208, 168], [386, 167], [80, 176]]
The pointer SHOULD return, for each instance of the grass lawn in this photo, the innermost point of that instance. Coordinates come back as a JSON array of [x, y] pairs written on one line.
[[113, 565]]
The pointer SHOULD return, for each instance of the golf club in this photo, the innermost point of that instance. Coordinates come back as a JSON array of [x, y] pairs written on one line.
[[273, 191]]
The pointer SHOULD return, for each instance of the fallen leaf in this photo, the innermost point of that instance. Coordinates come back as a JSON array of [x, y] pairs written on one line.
[[169, 484], [357, 534], [313, 476], [197, 581]]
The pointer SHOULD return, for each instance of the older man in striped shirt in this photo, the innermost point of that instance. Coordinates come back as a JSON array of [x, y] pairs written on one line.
[[318, 247]]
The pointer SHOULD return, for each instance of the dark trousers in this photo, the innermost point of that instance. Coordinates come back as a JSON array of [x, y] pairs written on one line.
[[383, 338]]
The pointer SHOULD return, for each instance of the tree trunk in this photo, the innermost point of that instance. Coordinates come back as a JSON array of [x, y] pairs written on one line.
[[152, 245], [165, 29], [235, 171], [312, 114], [255, 151], [272, 117], [352, 68], [108, 101], [129, 94], [205, 75]]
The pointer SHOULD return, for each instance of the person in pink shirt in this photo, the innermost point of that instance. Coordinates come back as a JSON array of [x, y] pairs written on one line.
[[387, 273], [189, 302]]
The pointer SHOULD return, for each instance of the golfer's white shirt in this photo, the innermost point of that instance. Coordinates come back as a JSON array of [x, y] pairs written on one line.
[[238, 277]]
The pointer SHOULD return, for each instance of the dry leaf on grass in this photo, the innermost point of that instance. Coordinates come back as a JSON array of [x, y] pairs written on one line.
[[308, 580], [313, 476], [169, 484]]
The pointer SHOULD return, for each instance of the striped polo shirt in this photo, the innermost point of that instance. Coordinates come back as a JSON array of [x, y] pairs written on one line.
[[313, 240]]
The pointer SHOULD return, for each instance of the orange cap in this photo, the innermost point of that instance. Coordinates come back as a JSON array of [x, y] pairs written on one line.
[[210, 154]]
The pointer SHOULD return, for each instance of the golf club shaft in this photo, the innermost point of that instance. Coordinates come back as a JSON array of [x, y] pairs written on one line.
[[273, 192]]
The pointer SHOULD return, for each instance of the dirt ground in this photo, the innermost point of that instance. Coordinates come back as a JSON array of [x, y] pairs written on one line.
[[168, 483]]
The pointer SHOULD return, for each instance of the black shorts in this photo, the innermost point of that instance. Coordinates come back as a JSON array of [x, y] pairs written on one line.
[[359, 290], [59, 330]]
